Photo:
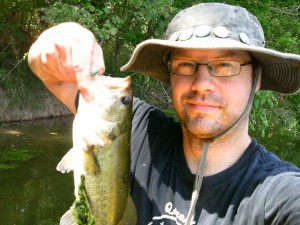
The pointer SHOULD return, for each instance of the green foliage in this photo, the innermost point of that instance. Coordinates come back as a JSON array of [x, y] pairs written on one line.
[[171, 113], [263, 103], [117, 25], [81, 208], [120, 25], [19, 24], [275, 110]]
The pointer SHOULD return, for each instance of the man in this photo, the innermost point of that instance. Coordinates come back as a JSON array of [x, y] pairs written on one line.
[[207, 169]]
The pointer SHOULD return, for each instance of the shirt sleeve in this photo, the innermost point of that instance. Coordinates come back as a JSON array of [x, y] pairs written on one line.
[[143, 115], [282, 203]]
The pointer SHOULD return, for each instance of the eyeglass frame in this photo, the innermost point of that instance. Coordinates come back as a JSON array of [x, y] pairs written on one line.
[[207, 64]]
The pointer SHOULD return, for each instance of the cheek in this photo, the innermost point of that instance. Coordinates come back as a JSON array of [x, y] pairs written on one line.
[[236, 93], [176, 91], [178, 86]]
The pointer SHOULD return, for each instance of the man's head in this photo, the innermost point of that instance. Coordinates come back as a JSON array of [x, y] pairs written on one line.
[[209, 26], [211, 89]]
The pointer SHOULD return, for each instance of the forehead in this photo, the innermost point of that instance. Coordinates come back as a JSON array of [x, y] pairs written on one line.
[[209, 54]]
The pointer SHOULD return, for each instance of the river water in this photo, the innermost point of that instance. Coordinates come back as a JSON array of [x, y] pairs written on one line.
[[32, 192]]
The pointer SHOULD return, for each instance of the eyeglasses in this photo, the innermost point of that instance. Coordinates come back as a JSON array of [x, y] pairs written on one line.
[[218, 68]]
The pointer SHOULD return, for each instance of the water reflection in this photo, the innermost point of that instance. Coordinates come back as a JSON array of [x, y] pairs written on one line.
[[34, 192]]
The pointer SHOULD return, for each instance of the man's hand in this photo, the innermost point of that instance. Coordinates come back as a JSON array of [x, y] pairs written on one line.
[[63, 57]]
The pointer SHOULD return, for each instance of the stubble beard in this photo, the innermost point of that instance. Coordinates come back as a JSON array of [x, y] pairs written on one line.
[[204, 126]]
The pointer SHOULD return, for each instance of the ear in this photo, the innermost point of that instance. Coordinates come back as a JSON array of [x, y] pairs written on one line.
[[258, 70]]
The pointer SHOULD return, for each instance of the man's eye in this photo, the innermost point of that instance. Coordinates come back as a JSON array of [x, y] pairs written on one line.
[[225, 64], [221, 66], [185, 64]]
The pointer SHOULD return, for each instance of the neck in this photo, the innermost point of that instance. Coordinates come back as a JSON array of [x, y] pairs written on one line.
[[222, 153]]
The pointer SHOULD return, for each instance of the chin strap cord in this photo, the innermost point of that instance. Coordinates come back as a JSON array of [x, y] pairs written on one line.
[[206, 142], [197, 184]]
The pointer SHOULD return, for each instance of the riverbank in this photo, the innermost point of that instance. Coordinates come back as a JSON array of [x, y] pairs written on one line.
[[29, 106]]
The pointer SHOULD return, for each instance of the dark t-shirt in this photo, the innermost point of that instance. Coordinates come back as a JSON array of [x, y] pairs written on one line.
[[258, 189]]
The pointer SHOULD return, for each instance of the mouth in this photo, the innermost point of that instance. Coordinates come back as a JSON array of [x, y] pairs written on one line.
[[204, 107]]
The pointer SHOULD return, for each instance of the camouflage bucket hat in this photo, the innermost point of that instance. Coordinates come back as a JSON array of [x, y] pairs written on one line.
[[217, 26]]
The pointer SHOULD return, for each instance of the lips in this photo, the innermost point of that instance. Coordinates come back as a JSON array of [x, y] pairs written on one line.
[[203, 106]]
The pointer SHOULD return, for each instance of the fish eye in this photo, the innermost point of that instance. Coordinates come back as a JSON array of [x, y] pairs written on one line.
[[126, 100]]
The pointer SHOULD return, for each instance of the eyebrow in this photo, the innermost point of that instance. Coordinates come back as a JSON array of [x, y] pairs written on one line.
[[227, 54], [231, 54]]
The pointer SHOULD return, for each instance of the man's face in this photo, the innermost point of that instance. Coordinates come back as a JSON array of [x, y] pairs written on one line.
[[208, 105]]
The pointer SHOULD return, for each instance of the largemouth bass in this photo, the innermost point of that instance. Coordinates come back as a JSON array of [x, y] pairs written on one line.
[[100, 157]]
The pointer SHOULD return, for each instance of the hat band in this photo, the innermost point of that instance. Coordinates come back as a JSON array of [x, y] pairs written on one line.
[[219, 32]]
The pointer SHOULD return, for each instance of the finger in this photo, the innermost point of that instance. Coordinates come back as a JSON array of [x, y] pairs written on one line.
[[52, 64], [65, 57], [82, 54], [97, 59]]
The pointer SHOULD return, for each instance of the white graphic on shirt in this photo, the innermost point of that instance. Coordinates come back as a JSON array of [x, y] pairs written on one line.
[[171, 214]]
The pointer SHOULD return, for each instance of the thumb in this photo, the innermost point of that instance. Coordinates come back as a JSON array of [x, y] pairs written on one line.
[[84, 80], [87, 62], [85, 87]]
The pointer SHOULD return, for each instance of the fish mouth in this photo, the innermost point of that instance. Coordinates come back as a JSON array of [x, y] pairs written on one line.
[[113, 86], [115, 82]]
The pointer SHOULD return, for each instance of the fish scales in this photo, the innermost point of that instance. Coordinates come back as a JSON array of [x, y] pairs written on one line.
[[100, 157]]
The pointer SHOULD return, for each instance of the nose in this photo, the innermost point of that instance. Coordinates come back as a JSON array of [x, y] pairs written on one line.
[[202, 80]]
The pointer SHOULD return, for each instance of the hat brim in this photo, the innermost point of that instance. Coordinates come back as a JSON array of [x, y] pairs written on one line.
[[280, 71]]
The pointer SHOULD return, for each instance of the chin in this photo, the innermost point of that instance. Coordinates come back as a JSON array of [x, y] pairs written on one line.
[[202, 131]]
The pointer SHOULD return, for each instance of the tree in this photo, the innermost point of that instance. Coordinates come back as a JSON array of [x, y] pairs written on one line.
[[119, 25]]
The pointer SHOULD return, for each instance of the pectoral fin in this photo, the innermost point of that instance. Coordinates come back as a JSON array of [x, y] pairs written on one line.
[[68, 218], [67, 162], [91, 164]]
